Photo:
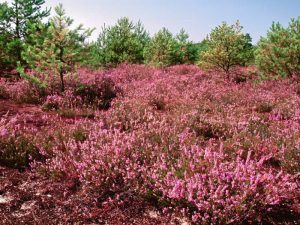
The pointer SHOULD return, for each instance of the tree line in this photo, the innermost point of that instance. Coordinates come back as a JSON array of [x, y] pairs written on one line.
[[53, 48]]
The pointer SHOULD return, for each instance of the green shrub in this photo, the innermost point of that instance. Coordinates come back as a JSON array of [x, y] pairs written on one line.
[[264, 107], [67, 113], [260, 128], [206, 129], [291, 161], [18, 152], [278, 54], [50, 106], [158, 103], [80, 134], [100, 94], [3, 93], [297, 89]]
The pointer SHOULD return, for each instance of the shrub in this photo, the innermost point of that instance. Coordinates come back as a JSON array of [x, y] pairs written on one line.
[[204, 182], [3, 90], [158, 103], [297, 89], [79, 134], [18, 152], [278, 54], [240, 79], [264, 107], [259, 128], [53, 102], [24, 92], [291, 162], [208, 130], [67, 113], [241, 75], [99, 94]]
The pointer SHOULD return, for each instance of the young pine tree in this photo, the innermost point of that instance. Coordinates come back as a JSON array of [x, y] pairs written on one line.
[[186, 51], [227, 47], [55, 50], [278, 54], [6, 36], [161, 50], [24, 13], [121, 43]]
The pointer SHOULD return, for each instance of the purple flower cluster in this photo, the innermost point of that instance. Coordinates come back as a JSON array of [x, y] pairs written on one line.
[[223, 152]]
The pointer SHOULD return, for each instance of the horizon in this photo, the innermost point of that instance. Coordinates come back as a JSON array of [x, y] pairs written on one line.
[[198, 18]]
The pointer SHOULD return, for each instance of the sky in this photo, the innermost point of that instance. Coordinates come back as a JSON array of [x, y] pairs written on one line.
[[197, 17]]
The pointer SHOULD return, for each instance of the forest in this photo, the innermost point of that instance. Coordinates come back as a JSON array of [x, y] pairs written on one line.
[[133, 128]]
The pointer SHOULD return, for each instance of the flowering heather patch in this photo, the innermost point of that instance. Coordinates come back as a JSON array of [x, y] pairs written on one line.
[[183, 140]]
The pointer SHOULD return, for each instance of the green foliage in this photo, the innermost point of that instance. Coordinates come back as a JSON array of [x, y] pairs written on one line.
[[34, 80], [121, 43], [6, 57], [264, 107], [24, 13], [15, 20], [55, 50], [227, 47], [18, 152], [3, 92], [100, 94], [202, 47], [161, 50], [50, 106], [278, 55], [186, 51], [80, 134]]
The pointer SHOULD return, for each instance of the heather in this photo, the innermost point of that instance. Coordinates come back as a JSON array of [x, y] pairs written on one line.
[[183, 140], [133, 128]]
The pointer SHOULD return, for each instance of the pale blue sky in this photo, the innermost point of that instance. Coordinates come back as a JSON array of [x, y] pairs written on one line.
[[197, 17]]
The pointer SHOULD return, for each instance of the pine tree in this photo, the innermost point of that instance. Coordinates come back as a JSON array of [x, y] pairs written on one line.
[[55, 51], [24, 13], [161, 50], [186, 51], [123, 42], [226, 48], [5, 37], [278, 54], [15, 20]]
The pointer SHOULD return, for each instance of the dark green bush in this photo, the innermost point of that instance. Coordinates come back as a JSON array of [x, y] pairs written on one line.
[[99, 94], [50, 106], [208, 130], [158, 104], [264, 107], [3, 93], [79, 134], [67, 113], [18, 152]]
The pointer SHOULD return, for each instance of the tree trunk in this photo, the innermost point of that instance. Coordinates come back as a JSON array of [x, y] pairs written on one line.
[[17, 30], [61, 71], [17, 20]]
